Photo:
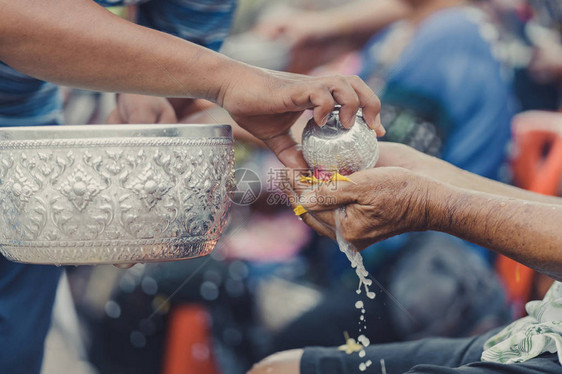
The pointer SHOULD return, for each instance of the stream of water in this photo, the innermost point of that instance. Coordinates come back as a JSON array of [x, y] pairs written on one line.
[[356, 260]]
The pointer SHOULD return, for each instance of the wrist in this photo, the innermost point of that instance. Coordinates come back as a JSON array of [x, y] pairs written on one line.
[[240, 83], [438, 208], [231, 72], [221, 74], [419, 197]]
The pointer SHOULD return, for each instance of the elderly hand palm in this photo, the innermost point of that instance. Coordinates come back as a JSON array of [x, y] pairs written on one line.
[[379, 203]]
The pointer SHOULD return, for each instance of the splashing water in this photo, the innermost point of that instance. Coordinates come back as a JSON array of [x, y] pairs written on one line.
[[364, 365], [356, 260], [354, 257], [383, 366]]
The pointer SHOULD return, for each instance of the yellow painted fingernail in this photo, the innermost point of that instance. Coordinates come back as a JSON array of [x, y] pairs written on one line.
[[299, 210]]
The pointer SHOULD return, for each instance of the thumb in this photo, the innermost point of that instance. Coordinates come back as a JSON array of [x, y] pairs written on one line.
[[287, 150]]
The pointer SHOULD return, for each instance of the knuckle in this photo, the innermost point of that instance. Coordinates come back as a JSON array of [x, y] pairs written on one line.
[[341, 79], [322, 86], [355, 79]]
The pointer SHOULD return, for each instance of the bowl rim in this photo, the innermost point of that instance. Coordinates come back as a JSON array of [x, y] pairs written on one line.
[[62, 132]]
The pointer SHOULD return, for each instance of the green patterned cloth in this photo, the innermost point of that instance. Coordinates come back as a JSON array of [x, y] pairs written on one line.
[[531, 336]]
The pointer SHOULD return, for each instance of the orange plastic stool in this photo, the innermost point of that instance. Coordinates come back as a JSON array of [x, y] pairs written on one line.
[[188, 346], [537, 166]]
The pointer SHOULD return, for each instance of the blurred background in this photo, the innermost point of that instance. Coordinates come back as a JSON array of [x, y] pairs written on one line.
[[474, 82]]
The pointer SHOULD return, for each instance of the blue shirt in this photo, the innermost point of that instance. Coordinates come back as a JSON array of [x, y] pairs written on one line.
[[448, 85], [27, 292], [28, 101], [448, 69]]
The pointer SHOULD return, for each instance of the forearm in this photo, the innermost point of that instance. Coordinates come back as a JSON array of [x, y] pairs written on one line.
[[445, 172], [529, 232], [78, 43]]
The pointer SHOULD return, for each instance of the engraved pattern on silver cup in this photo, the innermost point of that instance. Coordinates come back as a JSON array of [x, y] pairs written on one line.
[[335, 148], [113, 200]]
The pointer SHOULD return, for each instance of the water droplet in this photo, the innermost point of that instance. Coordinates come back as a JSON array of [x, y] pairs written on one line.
[[362, 367], [359, 305], [383, 366], [364, 340], [362, 353]]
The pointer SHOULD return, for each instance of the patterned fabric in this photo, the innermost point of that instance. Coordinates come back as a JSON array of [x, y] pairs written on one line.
[[26, 101], [529, 337], [205, 22]]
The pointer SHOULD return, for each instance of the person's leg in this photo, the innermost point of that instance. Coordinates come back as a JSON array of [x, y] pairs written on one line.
[[27, 294], [442, 288], [395, 357]]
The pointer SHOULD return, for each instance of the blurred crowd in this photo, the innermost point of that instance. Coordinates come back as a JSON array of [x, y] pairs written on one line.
[[452, 76]]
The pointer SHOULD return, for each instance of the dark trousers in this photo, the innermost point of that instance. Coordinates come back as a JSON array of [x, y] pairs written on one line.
[[425, 356], [27, 294]]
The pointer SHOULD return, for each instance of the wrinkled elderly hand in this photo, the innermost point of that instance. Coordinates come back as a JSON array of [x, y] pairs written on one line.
[[379, 203]]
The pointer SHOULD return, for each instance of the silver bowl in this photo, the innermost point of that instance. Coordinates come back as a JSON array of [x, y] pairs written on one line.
[[113, 193]]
